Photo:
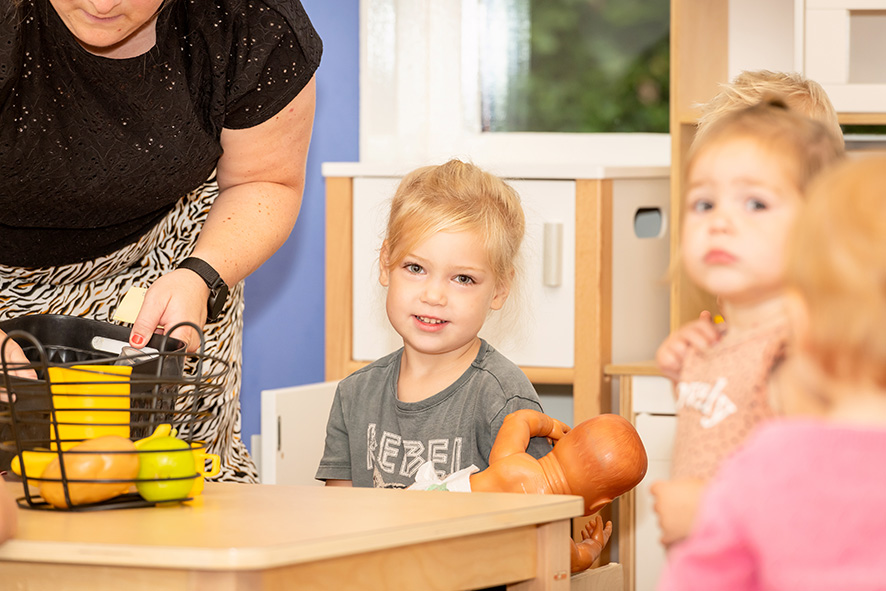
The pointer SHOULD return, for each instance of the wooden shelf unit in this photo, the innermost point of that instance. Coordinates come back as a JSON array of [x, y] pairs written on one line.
[[700, 61]]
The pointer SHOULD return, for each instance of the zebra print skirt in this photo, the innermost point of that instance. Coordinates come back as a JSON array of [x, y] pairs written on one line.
[[93, 289]]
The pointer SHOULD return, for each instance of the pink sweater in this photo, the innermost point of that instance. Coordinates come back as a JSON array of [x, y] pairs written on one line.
[[802, 506]]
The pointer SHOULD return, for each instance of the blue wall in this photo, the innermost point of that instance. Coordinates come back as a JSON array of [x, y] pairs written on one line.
[[283, 341]]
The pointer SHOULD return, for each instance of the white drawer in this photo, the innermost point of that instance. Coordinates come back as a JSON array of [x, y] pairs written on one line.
[[653, 395]]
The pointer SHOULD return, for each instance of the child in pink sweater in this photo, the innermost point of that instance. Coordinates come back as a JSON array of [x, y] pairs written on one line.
[[801, 504]]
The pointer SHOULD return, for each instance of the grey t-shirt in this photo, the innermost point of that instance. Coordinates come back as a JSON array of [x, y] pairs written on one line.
[[375, 440]]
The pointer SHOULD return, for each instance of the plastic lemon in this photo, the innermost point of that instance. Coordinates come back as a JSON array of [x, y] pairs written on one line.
[[166, 469], [162, 430]]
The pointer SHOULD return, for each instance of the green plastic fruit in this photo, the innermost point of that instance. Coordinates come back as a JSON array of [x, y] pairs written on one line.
[[166, 469]]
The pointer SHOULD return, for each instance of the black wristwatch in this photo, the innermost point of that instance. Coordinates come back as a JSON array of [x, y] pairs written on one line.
[[218, 289]]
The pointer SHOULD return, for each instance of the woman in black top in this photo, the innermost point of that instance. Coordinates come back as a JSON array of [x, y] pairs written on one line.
[[135, 134]]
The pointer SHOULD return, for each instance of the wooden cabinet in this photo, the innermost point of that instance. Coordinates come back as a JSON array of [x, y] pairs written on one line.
[[838, 43], [841, 45], [594, 290]]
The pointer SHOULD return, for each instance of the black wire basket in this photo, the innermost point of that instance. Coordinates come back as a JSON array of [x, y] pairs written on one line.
[[83, 388]]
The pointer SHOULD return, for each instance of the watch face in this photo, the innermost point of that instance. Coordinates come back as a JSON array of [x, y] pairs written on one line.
[[217, 300]]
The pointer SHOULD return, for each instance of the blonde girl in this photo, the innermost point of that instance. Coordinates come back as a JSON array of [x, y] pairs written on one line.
[[448, 260]]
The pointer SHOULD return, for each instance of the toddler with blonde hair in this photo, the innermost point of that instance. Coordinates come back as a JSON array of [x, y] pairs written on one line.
[[800, 506], [746, 177], [802, 95], [448, 260]]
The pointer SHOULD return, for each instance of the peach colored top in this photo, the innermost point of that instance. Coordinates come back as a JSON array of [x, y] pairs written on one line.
[[722, 396]]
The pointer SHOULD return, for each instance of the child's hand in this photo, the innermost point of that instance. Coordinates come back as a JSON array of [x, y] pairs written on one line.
[[676, 503], [698, 334]]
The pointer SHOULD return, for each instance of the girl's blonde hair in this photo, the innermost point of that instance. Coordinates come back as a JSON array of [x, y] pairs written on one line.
[[801, 94], [837, 264], [806, 145], [456, 197]]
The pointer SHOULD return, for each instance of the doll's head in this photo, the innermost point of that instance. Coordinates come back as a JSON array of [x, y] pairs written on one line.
[[801, 94], [601, 458], [456, 197], [836, 269]]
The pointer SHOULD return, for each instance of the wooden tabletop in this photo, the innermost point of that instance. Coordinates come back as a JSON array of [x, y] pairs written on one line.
[[242, 526]]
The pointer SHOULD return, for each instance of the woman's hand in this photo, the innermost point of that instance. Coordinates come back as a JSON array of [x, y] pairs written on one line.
[[179, 296], [14, 356]]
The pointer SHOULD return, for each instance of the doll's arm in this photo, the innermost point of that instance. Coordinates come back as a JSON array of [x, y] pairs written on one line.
[[593, 538], [519, 427]]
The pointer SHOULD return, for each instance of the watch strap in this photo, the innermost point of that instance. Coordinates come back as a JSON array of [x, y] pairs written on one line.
[[218, 289]]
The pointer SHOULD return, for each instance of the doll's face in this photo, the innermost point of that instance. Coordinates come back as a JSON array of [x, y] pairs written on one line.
[[111, 28]]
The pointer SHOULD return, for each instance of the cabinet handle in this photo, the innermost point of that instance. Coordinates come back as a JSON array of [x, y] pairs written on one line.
[[553, 254]]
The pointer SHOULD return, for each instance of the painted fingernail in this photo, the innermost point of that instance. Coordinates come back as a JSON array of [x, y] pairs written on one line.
[[137, 340]]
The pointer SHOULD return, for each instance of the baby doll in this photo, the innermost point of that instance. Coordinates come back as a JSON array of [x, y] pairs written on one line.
[[600, 459]]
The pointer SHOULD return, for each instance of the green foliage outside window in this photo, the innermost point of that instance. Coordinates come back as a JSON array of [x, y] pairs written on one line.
[[594, 66]]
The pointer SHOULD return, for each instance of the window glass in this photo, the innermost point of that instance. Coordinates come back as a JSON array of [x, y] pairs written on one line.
[[577, 66], [864, 137]]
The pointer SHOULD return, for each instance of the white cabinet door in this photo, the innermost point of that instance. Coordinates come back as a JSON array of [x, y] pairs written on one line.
[[536, 328], [657, 433], [293, 432], [372, 333], [653, 409]]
